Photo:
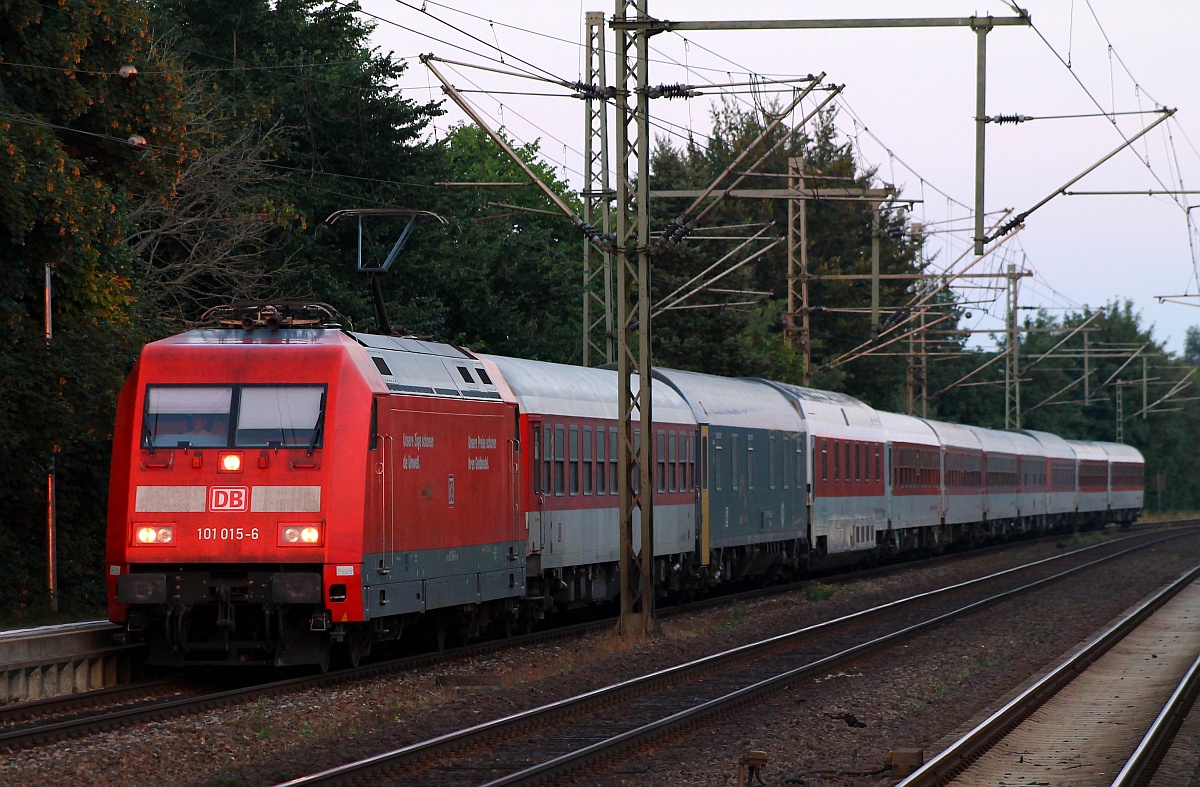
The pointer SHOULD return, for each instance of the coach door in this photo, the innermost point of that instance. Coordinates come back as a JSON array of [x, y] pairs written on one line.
[[542, 443], [705, 519], [381, 534], [514, 480]]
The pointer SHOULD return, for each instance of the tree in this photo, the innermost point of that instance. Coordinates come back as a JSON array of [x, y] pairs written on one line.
[[503, 278], [839, 238], [300, 118], [81, 142], [1191, 345]]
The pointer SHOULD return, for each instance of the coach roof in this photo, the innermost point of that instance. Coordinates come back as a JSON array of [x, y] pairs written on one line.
[[582, 392], [742, 403]]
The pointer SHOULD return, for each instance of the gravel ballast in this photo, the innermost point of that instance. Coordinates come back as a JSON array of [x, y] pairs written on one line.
[[847, 720]]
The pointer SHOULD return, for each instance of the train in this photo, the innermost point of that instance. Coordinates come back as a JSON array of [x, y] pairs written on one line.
[[284, 490]]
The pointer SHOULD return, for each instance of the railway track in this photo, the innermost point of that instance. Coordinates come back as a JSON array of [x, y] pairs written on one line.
[[52, 719], [578, 734], [1102, 716]]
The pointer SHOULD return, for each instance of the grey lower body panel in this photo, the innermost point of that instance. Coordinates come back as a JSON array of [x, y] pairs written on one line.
[[424, 580]]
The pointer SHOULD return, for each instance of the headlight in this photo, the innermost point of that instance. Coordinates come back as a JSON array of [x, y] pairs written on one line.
[[156, 534], [300, 534], [230, 463]]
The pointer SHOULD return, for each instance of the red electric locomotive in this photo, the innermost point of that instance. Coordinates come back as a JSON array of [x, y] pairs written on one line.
[[254, 469]]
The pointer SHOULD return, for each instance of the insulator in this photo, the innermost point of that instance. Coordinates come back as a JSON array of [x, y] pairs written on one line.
[[1002, 119], [671, 91], [585, 91]]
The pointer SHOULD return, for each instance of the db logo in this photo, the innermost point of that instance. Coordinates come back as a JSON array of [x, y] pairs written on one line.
[[227, 498]]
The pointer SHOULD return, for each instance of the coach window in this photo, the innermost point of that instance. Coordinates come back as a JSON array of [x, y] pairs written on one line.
[[749, 461], [187, 416], [878, 464], [691, 461], [660, 457], [858, 463], [612, 460], [574, 466], [786, 463], [718, 462], [798, 465], [560, 457], [824, 460], [547, 457], [685, 462], [601, 462], [837, 461], [673, 461], [733, 461], [588, 467], [771, 449], [537, 460]]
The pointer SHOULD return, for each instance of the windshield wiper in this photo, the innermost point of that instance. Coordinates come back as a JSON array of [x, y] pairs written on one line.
[[317, 431], [147, 435]]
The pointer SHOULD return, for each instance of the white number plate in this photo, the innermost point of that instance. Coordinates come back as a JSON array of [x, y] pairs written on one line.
[[227, 533]]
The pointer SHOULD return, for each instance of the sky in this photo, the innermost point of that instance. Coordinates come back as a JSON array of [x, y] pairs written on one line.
[[909, 107]]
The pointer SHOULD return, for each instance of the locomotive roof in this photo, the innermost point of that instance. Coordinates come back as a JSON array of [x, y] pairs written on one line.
[[419, 367], [1054, 446], [954, 435], [728, 401], [409, 345], [581, 392], [241, 337]]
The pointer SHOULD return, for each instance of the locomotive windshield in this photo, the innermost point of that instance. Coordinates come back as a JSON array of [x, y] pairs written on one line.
[[265, 416], [287, 415]]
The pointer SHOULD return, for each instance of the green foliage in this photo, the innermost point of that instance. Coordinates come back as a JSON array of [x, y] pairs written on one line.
[[498, 279], [294, 90], [816, 592], [263, 118], [737, 340], [65, 117]]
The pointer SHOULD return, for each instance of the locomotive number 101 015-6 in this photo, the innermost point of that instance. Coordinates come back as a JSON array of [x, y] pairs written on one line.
[[227, 533]]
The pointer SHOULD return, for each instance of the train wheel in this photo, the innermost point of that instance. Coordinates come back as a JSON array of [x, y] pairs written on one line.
[[324, 656], [346, 656], [441, 633]]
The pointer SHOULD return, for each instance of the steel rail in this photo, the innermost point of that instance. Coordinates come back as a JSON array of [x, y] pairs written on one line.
[[46, 706], [1157, 741], [58, 628], [14, 713], [29, 735], [506, 727], [959, 755], [33, 733]]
